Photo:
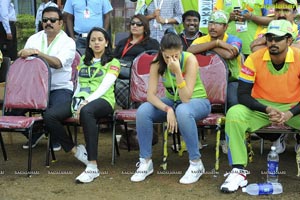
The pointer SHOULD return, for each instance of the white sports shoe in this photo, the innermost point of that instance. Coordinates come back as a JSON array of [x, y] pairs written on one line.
[[88, 175], [280, 144], [224, 146], [144, 169], [193, 173], [81, 154], [236, 178]]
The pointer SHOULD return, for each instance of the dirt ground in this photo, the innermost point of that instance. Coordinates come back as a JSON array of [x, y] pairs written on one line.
[[57, 182]]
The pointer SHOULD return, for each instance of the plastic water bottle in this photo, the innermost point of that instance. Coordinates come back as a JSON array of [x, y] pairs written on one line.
[[273, 163], [263, 188]]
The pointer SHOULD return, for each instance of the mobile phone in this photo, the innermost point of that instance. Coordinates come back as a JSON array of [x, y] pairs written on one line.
[[236, 8]]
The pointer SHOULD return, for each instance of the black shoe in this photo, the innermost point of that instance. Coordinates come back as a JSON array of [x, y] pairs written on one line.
[[35, 140]]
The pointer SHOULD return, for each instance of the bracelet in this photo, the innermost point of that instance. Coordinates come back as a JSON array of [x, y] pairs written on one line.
[[181, 85], [217, 43], [166, 109]]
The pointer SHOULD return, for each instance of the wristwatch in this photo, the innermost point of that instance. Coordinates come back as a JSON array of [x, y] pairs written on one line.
[[166, 21]]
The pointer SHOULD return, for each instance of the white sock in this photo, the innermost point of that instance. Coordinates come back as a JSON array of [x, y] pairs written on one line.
[[92, 166]]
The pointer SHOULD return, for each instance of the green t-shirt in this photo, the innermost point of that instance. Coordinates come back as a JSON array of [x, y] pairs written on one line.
[[90, 77], [169, 81]]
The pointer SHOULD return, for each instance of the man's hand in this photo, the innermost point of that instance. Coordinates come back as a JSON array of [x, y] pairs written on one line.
[[9, 36]]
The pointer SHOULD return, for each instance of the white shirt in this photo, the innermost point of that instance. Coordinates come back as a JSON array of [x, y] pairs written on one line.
[[7, 13], [39, 13], [62, 47]]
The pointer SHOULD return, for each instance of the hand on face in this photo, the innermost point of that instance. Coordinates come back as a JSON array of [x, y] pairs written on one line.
[[173, 64]]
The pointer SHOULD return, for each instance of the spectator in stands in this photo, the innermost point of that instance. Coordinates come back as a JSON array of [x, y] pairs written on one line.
[[283, 9], [246, 19], [190, 20], [185, 103], [82, 16], [93, 99], [163, 15]]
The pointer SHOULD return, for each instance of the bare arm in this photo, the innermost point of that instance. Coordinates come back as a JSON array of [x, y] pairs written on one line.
[[107, 21], [70, 24]]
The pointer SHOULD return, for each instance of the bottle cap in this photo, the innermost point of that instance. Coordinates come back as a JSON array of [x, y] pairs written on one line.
[[273, 148]]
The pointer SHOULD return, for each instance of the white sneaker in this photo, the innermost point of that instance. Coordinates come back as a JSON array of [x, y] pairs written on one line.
[[81, 154], [236, 178], [280, 144], [88, 175], [193, 173], [224, 146], [144, 169]]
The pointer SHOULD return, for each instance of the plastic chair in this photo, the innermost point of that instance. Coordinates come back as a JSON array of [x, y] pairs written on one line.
[[138, 93], [214, 74], [119, 36], [27, 88]]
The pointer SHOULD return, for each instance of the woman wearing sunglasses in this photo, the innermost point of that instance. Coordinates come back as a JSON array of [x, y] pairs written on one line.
[[93, 99], [127, 50]]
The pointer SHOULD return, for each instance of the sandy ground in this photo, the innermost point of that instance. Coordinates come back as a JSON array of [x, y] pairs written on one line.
[[57, 182]]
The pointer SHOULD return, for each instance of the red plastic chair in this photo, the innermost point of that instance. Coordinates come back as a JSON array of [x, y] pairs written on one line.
[[27, 87], [138, 93], [214, 74]]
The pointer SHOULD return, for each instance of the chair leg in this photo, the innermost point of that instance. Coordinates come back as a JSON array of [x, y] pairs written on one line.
[[261, 146], [113, 156], [3, 147], [127, 136], [29, 152]]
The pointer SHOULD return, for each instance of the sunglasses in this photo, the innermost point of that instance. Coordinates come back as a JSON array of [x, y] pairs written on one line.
[[52, 20], [270, 38], [139, 24]]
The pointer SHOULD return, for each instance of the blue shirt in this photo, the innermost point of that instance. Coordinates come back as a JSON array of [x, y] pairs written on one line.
[[87, 13], [7, 13]]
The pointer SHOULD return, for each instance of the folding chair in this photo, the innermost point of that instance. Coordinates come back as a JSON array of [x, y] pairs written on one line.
[[27, 87], [138, 93], [214, 74]]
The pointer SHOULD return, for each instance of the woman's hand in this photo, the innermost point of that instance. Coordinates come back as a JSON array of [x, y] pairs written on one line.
[[79, 109], [174, 65], [171, 121]]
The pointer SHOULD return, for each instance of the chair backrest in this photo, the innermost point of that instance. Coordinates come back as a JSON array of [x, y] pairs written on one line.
[[75, 63], [140, 76], [214, 75], [4, 68], [119, 36], [27, 84]]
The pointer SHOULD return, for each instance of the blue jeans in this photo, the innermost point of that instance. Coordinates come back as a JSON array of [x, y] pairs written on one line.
[[80, 42], [186, 114]]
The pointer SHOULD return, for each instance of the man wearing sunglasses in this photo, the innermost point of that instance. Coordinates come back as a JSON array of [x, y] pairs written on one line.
[[53, 45], [269, 92]]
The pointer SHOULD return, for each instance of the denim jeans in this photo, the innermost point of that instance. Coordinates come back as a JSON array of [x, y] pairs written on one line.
[[80, 42], [186, 114]]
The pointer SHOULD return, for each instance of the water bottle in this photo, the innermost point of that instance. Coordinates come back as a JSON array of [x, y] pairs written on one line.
[[273, 162], [263, 188]]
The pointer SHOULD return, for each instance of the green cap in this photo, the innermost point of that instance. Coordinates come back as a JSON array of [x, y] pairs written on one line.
[[219, 16], [280, 27], [292, 2]]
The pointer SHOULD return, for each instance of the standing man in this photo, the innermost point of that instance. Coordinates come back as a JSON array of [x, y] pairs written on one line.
[[163, 15], [190, 20], [38, 17], [53, 45], [247, 18], [8, 31], [269, 92], [83, 15]]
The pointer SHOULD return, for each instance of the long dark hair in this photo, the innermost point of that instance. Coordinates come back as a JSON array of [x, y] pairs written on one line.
[[89, 54], [145, 22], [168, 41]]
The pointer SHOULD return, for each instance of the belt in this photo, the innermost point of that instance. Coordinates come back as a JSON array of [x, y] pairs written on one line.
[[83, 35]]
